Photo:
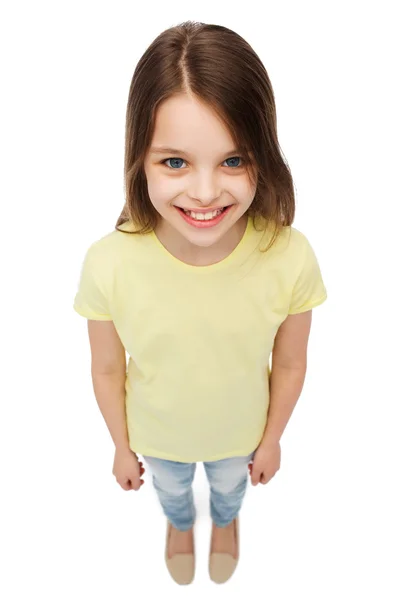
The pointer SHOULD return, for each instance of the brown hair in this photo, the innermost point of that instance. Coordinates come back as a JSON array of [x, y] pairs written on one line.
[[216, 65]]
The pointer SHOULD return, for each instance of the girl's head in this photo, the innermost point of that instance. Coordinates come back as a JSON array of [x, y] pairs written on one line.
[[201, 89]]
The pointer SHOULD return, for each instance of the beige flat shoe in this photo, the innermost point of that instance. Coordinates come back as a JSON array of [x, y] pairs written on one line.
[[222, 565], [180, 566]]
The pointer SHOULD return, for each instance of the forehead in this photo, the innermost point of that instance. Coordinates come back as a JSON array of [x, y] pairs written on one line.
[[185, 124]]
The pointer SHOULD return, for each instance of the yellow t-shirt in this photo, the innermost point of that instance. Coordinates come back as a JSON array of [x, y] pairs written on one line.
[[199, 339]]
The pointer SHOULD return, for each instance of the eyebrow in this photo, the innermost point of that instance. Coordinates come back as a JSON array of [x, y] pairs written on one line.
[[168, 150]]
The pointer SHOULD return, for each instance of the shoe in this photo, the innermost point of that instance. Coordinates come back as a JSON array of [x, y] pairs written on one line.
[[222, 565], [180, 566]]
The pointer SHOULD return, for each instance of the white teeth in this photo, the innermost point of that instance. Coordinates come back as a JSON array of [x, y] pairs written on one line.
[[203, 217]]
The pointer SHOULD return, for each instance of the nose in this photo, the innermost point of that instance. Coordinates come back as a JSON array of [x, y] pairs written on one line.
[[204, 189]]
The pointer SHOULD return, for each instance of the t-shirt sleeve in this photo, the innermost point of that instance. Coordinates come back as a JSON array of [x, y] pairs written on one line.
[[91, 301], [309, 289]]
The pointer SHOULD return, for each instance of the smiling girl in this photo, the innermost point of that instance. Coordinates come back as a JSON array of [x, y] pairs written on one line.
[[184, 285]]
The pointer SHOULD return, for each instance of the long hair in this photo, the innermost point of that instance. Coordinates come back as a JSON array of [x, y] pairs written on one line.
[[216, 65]]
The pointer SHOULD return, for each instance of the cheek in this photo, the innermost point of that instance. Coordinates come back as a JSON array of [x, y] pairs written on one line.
[[160, 190], [243, 189]]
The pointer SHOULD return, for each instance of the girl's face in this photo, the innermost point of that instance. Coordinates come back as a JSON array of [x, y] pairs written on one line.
[[204, 171]]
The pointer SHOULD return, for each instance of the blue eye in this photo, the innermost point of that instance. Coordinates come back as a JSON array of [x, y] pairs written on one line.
[[235, 158], [170, 167], [181, 160]]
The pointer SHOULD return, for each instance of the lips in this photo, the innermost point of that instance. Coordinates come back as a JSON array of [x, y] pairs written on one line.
[[195, 210], [205, 223]]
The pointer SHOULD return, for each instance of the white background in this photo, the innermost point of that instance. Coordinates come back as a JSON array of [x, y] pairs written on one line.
[[338, 521]]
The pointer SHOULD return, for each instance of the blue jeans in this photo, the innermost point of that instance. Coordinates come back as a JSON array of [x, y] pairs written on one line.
[[173, 483]]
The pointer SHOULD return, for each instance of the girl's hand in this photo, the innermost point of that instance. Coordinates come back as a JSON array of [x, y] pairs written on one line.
[[127, 469], [266, 462]]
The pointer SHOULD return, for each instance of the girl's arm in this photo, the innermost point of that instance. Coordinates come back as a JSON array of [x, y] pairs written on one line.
[[109, 389], [289, 364], [108, 371]]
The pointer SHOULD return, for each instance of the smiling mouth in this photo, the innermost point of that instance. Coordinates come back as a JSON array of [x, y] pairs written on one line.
[[201, 212]]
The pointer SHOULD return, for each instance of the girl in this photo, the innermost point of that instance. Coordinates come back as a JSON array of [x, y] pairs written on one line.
[[184, 286]]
